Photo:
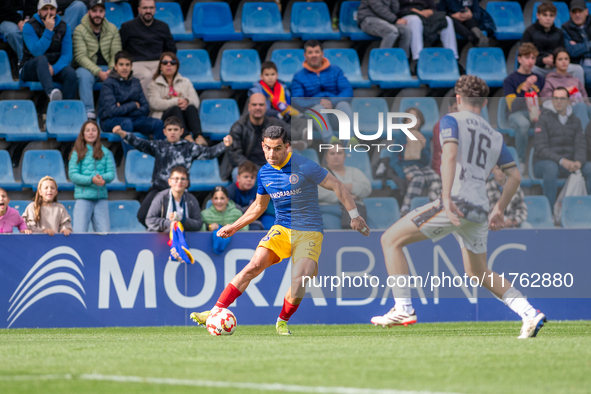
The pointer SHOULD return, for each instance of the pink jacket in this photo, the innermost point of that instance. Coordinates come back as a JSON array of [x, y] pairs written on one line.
[[11, 219], [555, 80]]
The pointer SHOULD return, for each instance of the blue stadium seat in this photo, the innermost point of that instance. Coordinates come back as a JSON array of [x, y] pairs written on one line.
[[205, 175], [360, 160], [503, 118], [115, 184], [525, 180], [69, 205], [6, 81], [138, 170], [509, 19], [123, 217], [311, 21], [240, 68], [39, 163], [382, 212], [64, 119], [195, 65], [537, 181], [348, 60], [309, 154], [37, 87], [348, 22], [18, 121], [418, 202], [213, 22], [539, 214], [562, 15], [488, 64], [369, 114], [428, 107], [6, 175], [576, 212], [389, 69], [19, 205], [331, 222], [118, 13], [262, 22], [288, 62], [172, 15], [217, 117], [438, 68]]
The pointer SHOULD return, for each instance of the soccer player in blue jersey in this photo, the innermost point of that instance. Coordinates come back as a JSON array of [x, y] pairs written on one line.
[[471, 148], [291, 181]]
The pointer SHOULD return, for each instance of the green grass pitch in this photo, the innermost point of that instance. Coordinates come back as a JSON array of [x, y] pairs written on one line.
[[442, 357]]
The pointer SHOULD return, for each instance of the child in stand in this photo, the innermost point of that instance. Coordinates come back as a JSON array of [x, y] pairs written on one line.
[[222, 212], [90, 169], [277, 95], [45, 214], [9, 216]]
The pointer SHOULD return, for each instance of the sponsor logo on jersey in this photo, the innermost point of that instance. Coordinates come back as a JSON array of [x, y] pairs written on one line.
[[286, 193]]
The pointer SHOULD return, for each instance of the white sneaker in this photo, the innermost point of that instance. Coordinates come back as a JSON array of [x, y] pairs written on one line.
[[532, 325], [55, 95], [395, 318], [91, 115]]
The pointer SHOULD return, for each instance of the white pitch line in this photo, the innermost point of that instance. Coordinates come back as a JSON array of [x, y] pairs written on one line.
[[290, 388]]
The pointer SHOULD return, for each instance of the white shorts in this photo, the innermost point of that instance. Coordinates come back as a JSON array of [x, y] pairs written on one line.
[[434, 223]]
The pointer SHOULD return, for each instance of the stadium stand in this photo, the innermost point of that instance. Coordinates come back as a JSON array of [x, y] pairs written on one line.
[[262, 22], [309, 154], [205, 175], [39, 163], [389, 69], [171, 14], [213, 22], [18, 121], [539, 214], [348, 60], [348, 22], [288, 62], [312, 21], [217, 117], [64, 119], [69, 205], [360, 160], [382, 212], [438, 68], [418, 202], [369, 114], [508, 17], [429, 108], [331, 216], [123, 217], [118, 13], [576, 212], [6, 81], [502, 120], [196, 66], [240, 68], [19, 205], [116, 184], [7, 181], [533, 179], [488, 64], [138, 170], [562, 14]]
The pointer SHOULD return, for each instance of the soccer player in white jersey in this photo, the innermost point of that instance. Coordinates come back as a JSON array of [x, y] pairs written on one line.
[[471, 148]]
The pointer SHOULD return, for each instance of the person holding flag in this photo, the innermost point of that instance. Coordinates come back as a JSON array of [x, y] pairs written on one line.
[[277, 95]]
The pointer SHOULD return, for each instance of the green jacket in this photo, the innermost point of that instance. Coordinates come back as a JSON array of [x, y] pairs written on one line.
[[86, 45], [81, 174], [229, 216]]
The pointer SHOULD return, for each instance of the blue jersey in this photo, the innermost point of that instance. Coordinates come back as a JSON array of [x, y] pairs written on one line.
[[293, 187]]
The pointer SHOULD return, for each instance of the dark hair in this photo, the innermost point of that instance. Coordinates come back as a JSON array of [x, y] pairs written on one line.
[[275, 133], [267, 65], [312, 44], [561, 88], [557, 51], [472, 89], [174, 58], [526, 49], [173, 121], [123, 55], [420, 116], [3, 190], [220, 189], [546, 6], [80, 144], [247, 166], [180, 170]]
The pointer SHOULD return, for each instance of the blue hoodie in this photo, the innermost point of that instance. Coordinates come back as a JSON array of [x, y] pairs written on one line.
[[39, 45]]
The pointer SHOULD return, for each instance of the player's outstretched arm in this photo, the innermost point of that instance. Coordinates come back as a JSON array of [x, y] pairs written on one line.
[[448, 172], [357, 222], [256, 209], [497, 216]]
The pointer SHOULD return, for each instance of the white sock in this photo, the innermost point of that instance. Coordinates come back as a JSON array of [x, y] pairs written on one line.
[[280, 319], [401, 292], [519, 304], [404, 304]]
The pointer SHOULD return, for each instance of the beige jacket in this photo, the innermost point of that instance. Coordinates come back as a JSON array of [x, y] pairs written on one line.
[[54, 217], [159, 99]]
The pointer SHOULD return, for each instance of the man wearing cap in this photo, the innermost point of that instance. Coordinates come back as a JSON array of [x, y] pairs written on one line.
[[145, 38], [577, 37], [47, 52], [96, 41]]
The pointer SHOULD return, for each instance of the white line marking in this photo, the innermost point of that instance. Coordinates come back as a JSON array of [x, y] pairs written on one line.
[[291, 388]]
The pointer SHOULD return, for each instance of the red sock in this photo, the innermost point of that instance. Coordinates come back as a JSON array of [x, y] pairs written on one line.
[[228, 296], [287, 310]]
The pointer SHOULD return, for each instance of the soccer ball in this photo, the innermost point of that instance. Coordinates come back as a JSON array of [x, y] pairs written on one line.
[[221, 322]]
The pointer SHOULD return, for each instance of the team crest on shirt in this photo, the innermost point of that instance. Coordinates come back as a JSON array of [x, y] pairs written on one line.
[[293, 179]]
